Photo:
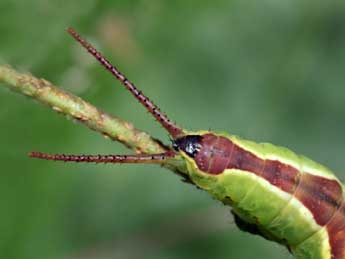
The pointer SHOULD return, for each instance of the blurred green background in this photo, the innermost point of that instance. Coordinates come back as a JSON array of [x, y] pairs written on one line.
[[265, 70]]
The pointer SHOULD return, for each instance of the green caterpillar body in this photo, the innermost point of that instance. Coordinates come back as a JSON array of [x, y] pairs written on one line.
[[288, 197]]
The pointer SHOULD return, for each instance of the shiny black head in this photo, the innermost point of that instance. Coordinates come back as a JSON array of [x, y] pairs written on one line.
[[190, 144]]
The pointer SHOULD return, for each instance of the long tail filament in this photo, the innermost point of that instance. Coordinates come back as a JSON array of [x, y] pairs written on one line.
[[142, 158], [172, 128]]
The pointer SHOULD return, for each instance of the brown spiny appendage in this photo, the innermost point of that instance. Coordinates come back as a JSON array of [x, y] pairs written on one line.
[[173, 129], [144, 158], [323, 197]]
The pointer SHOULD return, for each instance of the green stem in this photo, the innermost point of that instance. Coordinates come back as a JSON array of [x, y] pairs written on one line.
[[87, 114]]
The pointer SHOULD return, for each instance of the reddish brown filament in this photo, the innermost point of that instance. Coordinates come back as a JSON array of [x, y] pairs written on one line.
[[173, 129], [145, 158]]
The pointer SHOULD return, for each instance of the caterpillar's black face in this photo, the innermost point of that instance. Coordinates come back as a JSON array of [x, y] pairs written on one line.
[[190, 144]]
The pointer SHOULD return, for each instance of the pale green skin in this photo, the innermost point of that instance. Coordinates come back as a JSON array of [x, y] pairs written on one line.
[[282, 217]]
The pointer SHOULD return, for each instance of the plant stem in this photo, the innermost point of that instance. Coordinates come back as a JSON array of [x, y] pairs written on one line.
[[85, 113]]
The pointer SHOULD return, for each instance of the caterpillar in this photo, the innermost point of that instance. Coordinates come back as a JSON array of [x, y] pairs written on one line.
[[273, 192]]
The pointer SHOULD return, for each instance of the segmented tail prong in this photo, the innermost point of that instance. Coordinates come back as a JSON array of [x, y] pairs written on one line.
[[142, 158], [172, 128]]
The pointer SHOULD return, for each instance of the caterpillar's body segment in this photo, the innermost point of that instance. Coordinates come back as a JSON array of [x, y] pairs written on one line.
[[274, 192], [291, 199]]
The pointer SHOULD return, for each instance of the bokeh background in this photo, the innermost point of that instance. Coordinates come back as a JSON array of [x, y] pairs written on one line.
[[271, 71]]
